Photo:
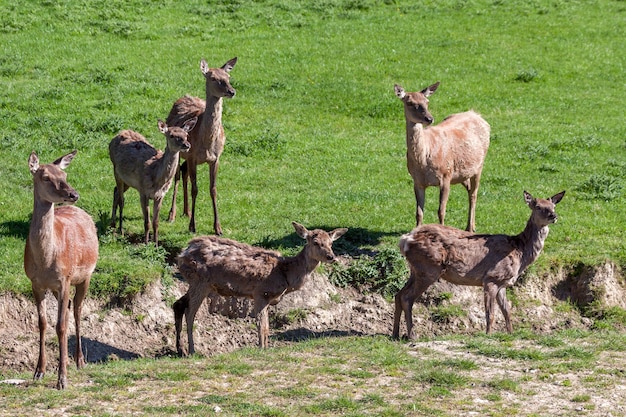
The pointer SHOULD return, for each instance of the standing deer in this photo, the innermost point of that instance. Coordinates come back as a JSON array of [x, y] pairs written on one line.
[[207, 139], [230, 268], [61, 251], [138, 164], [452, 152], [494, 262]]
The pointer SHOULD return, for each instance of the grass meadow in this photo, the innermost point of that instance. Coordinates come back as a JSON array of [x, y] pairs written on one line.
[[315, 134]]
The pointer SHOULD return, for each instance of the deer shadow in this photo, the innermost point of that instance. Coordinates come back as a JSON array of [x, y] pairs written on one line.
[[96, 352]]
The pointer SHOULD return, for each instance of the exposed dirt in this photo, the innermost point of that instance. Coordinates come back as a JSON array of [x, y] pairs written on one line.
[[145, 326]]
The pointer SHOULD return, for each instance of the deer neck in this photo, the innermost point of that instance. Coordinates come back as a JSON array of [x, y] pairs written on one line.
[[416, 144], [297, 269], [532, 240], [212, 117], [41, 234], [166, 167]]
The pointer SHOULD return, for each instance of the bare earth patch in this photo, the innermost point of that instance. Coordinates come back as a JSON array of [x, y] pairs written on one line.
[[145, 328]]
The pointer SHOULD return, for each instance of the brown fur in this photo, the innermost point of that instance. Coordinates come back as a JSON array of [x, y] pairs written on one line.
[[212, 264], [61, 251], [452, 152], [207, 139], [138, 164], [494, 262]]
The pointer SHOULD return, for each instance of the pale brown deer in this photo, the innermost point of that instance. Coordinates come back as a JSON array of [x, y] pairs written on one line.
[[61, 251], [138, 164], [494, 262], [452, 152], [226, 267], [207, 139]]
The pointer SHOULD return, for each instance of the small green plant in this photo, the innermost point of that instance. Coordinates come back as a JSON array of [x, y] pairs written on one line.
[[527, 75]]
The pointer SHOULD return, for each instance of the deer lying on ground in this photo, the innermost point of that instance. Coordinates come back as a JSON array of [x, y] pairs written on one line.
[[494, 262], [453, 152], [207, 139], [229, 268], [138, 164], [61, 251]]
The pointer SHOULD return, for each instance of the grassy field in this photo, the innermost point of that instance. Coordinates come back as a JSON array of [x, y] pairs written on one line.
[[315, 133], [563, 374]]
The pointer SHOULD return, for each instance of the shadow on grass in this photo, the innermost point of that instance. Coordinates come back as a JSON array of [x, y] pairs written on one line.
[[349, 244], [96, 351], [15, 228]]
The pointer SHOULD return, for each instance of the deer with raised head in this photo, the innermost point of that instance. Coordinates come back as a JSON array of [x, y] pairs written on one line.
[[229, 268], [452, 152], [494, 262], [61, 251], [207, 139], [138, 164]]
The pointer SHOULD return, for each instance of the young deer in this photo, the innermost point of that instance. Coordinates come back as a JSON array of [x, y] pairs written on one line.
[[453, 152], [229, 268], [207, 139], [138, 164], [494, 262], [61, 251]]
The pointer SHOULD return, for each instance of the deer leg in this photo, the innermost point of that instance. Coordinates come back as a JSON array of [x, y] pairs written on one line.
[[40, 301], [172, 215], [145, 209], [490, 294], [472, 191], [420, 198], [184, 170], [179, 308], [121, 189], [115, 204], [156, 209], [444, 193], [195, 301], [213, 167], [405, 298], [193, 176], [81, 291], [61, 328], [263, 323], [505, 308]]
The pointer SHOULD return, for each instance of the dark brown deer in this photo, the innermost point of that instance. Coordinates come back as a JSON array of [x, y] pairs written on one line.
[[494, 262], [216, 265], [61, 251], [453, 152], [138, 164], [207, 139]]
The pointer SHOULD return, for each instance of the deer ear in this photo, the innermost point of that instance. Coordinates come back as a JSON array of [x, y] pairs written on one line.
[[64, 161], [33, 162], [428, 91], [204, 67], [399, 91], [300, 230], [529, 199], [190, 124], [337, 233], [162, 126], [228, 66], [557, 197]]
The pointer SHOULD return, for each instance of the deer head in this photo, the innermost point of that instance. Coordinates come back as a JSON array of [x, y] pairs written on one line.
[[50, 181], [416, 104], [218, 79]]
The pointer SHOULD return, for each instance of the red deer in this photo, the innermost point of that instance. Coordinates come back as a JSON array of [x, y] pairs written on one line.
[[207, 139], [61, 251], [138, 164], [453, 152], [230, 268], [494, 262]]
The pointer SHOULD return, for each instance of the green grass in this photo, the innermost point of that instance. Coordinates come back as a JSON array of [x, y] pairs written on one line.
[[315, 133], [354, 376]]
